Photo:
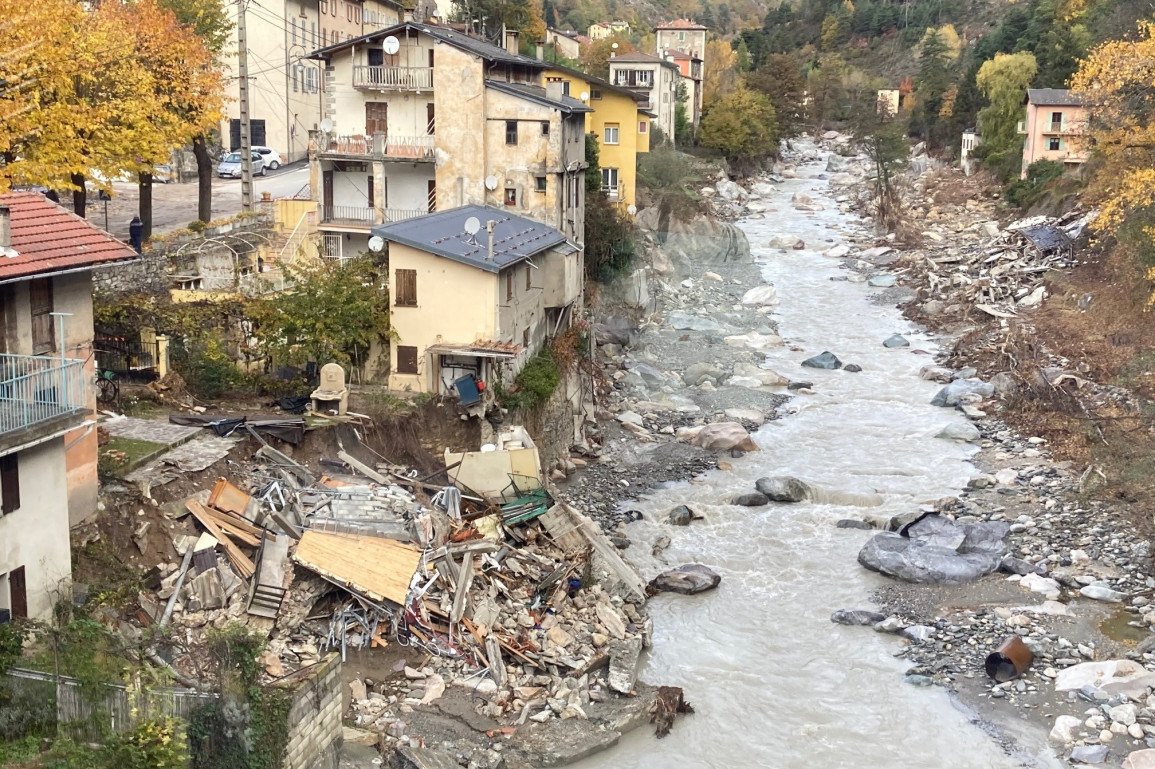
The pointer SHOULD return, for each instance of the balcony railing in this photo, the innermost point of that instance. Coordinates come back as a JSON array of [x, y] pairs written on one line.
[[393, 78], [407, 147], [358, 215], [38, 388], [331, 246]]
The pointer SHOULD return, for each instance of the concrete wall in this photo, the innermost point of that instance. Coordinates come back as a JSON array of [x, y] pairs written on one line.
[[460, 98], [456, 304], [691, 41], [35, 536], [315, 717]]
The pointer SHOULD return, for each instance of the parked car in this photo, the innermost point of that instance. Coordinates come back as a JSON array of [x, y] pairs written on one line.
[[230, 165], [272, 158], [164, 174]]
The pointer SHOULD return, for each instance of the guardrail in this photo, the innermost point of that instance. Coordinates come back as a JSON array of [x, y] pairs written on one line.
[[393, 78], [37, 388]]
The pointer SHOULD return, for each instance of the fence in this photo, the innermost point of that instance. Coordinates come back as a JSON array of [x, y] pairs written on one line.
[[114, 708], [134, 357], [36, 388]]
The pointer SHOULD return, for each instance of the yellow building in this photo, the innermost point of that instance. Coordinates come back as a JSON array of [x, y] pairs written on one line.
[[620, 122]]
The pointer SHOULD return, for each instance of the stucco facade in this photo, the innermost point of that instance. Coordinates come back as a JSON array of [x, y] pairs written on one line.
[[682, 35], [620, 124], [562, 45], [1055, 122], [655, 78]]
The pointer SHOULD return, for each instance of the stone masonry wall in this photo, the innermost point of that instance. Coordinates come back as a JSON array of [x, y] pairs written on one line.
[[315, 718]]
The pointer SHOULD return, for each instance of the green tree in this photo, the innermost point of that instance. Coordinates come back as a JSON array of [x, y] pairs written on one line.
[[333, 312], [666, 177], [742, 125], [593, 168], [780, 79], [824, 85], [1003, 81], [934, 78], [882, 138]]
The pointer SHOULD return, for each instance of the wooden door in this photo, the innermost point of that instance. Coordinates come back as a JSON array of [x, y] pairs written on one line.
[[18, 589], [327, 194], [376, 118]]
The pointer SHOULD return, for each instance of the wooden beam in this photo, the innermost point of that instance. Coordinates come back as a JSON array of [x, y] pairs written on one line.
[[239, 560]]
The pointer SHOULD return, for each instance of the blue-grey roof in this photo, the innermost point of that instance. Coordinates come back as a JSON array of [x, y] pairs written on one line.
[[515, 238], [1053, 97], [474, 45], [536, 93]]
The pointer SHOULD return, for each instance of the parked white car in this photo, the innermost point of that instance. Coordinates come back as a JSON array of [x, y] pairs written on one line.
[[272, 158], [230, 165]]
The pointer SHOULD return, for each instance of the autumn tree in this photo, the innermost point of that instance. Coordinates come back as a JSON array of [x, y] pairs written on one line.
[[1003, 81], [742, 126], [595, 56], [1117, 83], [780, 79], [722, 75]]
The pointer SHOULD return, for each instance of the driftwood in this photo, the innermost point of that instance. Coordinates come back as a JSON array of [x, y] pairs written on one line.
[[669, 703]]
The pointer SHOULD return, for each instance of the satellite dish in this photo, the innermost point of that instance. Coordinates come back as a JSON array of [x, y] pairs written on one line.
[[632, 209], [585, 95], [390, 45], [473, 225], [491, 183], [326, 125], [376, 243]]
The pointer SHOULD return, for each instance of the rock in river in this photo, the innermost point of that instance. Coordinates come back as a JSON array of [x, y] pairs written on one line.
[[856, 617], [826, 360], [960, 431], [681, 516], [936, 549], [760, 296], [753, 499], [783, 488], [688, 580], [953, 392], [725, 436], [897, 340]]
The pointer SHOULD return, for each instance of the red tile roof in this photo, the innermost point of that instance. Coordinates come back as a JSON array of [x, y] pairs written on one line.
[[47, 238], [680, 24]]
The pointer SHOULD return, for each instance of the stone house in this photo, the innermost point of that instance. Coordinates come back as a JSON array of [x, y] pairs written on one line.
[[423, 118], [48, 445], [1055, 121]]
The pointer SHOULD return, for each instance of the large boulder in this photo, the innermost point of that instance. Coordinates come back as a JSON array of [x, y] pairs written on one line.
[[681, 321], [826, 360], [787, 242], [760, 296], [1112, 676], [937, 550], [696, 373], [856, 617], [687, 580], [783, 488], [725, 436], [729, 190], [615, 329], [764, 376], [952, 394]]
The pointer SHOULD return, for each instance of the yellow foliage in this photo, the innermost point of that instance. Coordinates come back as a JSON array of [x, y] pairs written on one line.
[[722, 75], [950, 40]]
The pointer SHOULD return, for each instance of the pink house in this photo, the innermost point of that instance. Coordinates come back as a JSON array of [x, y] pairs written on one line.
[[1055, 121]]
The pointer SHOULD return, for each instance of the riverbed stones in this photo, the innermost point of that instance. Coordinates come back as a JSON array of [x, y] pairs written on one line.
[[783, 488], [760, 296], [960, 431], [882, 281], [856, 617], [936, 550], [1112, 676], [1065, 730], [696, 373], [896, 340], [690, 579], [824, 360], [787, 242], [1101, 593], [680, 516], [724, 436], [1140, 759], [680, 321], [1123, 714], [852, 368], [752, 499], [1088, 754], [953, 393]]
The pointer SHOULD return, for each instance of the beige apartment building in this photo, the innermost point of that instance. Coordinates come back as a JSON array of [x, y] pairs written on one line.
[[653, 77], [423, 118], [1055, 121]]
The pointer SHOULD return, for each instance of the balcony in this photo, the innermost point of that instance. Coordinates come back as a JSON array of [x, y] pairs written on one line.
[[393, 78], [410, 148], [614, 193], [360, 216], [38, 391]]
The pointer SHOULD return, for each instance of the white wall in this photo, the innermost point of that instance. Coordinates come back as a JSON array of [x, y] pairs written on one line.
[[36, 535], [408, 185], [351, 188]]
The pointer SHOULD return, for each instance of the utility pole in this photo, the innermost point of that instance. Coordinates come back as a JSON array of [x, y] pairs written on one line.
[[246, 142]]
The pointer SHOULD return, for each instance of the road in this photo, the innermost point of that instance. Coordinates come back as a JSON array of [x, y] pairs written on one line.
[[175, 205]]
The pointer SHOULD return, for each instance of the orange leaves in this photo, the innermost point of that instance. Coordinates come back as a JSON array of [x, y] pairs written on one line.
[[110, 91]]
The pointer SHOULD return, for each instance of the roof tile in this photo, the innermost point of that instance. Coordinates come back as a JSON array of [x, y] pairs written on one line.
[[47, 238]]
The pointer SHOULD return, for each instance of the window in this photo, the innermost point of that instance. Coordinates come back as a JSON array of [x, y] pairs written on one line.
[[40, 297], [406, 288], [642, 126], [294, 27], [509, 286], [595, 93], [681, 35], [565, 87], [9, 484], [528, 277], [406, 360], [525, 338], [511, 132], [325, 6], [296, 72], [510, 196], [611, 133], [610, 182], [1053, 145], [1056, 117], [539, 183], [545, 128]]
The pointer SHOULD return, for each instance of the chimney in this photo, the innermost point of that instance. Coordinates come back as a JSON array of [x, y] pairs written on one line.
[[489, 231], [554, 89], [5, 228], [540, 51], [511, 41]]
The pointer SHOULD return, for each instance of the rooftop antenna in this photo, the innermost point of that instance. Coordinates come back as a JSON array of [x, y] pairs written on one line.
[[472, 227]]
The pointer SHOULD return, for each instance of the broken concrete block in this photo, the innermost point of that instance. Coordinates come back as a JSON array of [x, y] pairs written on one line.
[[205, 591], [623, 673]]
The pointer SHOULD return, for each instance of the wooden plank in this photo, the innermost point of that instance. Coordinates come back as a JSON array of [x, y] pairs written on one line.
[[381, 569], [230, 528], [225, 496], [466, 572], [239, 560], [362, 468], [240, 524]]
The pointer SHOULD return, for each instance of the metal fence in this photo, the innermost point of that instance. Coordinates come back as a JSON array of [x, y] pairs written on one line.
[[112, 708], [129, 356], [400, 78], [36, 388]]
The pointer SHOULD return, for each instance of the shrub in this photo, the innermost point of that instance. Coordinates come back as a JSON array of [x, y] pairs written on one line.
[[1025, 192]]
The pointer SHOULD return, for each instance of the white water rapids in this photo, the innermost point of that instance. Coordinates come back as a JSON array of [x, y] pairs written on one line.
[[773, 681]]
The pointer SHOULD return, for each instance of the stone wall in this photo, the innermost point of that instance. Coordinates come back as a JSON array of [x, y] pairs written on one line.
[[180, 253], [315, 718], [557, 424]]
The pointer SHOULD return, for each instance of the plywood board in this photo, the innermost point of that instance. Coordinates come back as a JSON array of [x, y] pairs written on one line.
[[380, 569]]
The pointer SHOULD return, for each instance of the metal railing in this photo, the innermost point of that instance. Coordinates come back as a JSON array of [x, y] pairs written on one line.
[[37, 388], [331, 246], [399, 78], [348, 215], [415, 147], [401, 214], [1055, 128], [297, 238]]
